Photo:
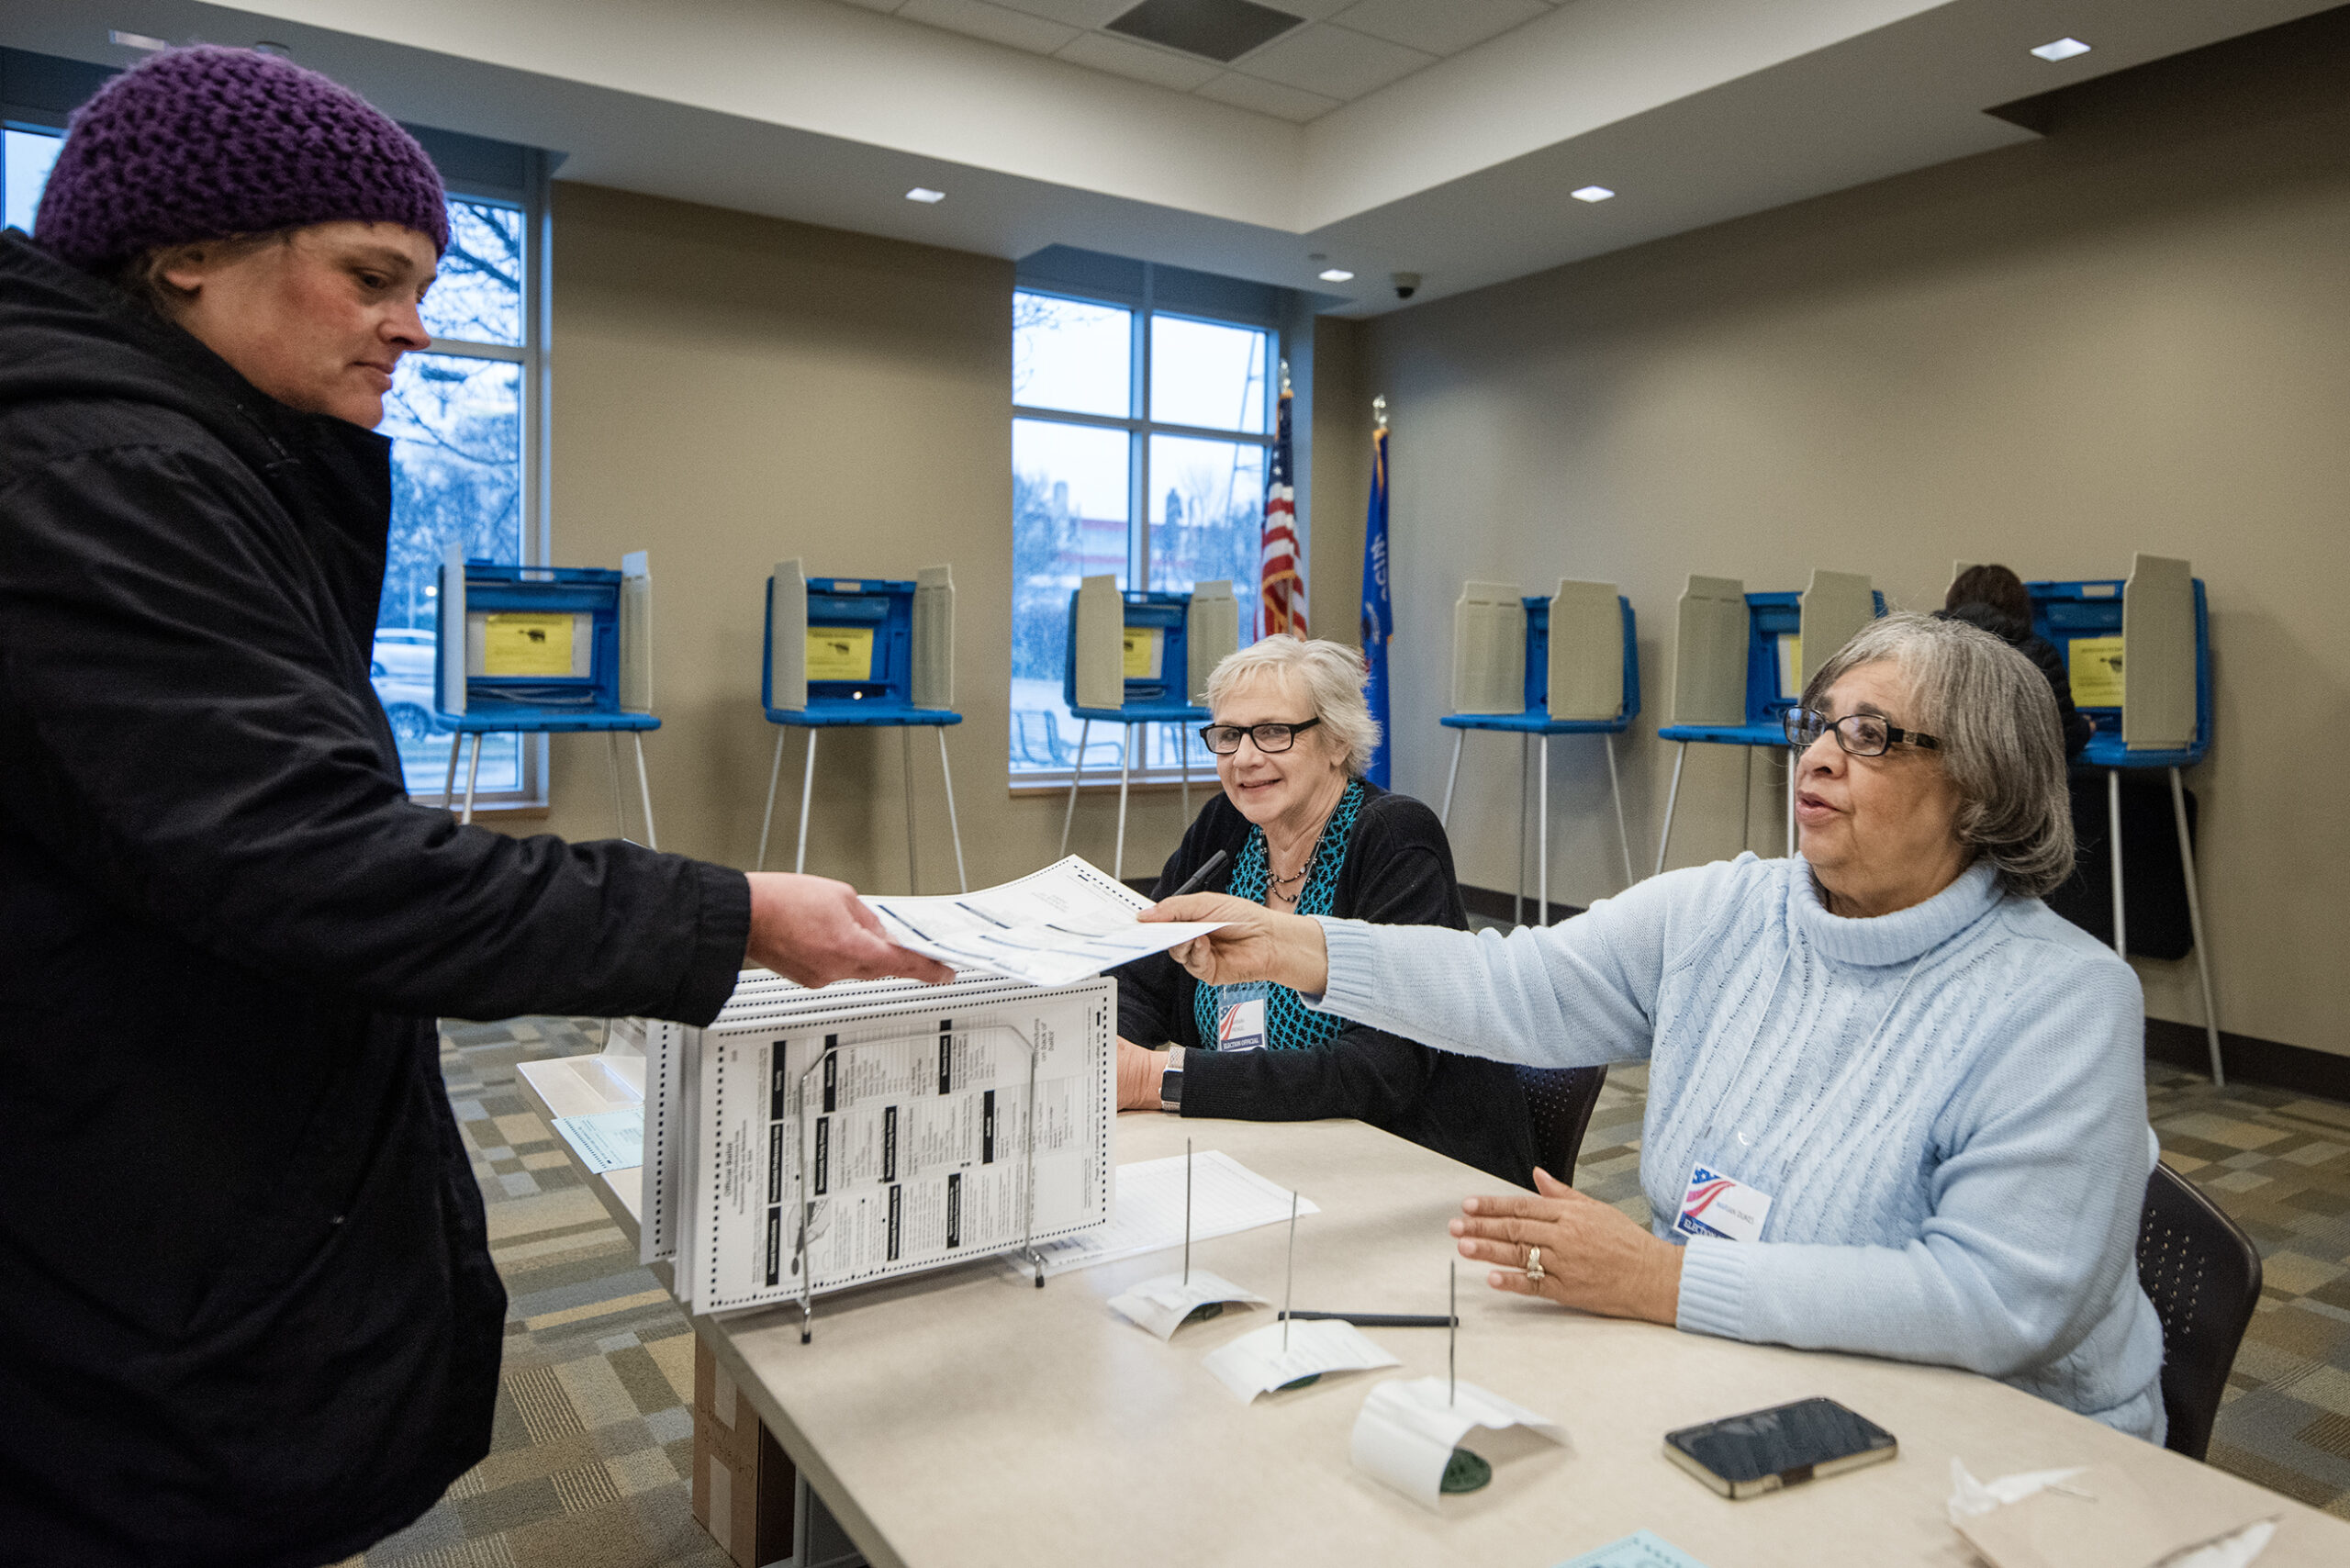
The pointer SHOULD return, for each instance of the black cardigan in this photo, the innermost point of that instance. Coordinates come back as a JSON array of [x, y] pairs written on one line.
[[1397, 871]]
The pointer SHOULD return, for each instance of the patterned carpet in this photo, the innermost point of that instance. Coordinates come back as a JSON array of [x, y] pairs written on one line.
[[594, 1445]]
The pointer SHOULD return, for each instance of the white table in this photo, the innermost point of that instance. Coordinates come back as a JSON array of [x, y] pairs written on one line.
[[966, 1417]]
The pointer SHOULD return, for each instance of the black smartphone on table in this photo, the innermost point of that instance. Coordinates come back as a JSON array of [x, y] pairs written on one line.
[[1763, 1450]]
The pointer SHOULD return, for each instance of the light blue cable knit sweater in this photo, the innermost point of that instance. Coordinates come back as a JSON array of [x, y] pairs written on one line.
[[1946, 1105]]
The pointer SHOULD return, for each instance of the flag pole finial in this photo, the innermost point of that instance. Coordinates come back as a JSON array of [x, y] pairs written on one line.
[[1379, 409]]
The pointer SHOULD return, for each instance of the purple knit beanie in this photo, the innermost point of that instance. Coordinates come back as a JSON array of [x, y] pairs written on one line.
[[201, 143]]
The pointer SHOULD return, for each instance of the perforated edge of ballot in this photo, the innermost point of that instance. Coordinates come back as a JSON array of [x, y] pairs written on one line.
[[907, 1148]]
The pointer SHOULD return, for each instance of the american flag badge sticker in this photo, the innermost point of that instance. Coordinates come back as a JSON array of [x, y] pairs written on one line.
[[1718, 1205]]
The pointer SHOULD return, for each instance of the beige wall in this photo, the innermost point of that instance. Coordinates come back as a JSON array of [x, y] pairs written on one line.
[[731, 391], [2133, 335]]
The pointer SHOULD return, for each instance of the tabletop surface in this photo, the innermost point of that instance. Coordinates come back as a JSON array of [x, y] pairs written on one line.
[[966, 1417]]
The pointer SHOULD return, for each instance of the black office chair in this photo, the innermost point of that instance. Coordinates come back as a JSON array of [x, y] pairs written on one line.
[[1559, 1102], [2203, 1274]]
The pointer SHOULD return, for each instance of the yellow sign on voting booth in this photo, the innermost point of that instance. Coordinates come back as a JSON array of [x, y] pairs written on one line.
[[1144, 646], [526, 645], [840, 652], [1791, 664], [2095, 672]]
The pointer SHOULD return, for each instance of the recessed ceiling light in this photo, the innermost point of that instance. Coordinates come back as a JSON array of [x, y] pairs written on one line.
[[1592, 193], [1338, 274], [925, 195], [135, 40], [2063, 48]]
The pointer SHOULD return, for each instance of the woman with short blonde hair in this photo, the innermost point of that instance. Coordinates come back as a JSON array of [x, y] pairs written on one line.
[[1301, 831]]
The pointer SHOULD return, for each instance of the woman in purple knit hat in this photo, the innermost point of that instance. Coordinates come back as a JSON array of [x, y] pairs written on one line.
[[249, 1314]]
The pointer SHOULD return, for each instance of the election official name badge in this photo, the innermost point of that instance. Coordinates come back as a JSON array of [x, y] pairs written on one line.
[[1723, 1206]]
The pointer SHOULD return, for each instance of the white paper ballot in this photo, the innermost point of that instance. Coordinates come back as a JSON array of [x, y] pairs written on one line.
[[1255, 1363], [611, 1141], [1161, 1304], [1409, 1430], [1057, 926], [1147, 1215]]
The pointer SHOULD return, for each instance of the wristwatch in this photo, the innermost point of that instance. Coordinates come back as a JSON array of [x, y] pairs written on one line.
[[1170, 1082]]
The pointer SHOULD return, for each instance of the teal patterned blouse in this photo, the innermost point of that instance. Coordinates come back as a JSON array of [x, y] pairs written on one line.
[[1290, 1025]]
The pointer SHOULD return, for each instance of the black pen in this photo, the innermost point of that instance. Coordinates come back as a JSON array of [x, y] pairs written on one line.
[[1216, 864], [1376, 1319]]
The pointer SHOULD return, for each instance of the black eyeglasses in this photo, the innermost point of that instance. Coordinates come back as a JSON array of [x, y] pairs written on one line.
[[1861, 734], [1224, 739]]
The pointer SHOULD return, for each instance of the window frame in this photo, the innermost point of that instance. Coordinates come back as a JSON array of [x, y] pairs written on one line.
[[1140, 428]]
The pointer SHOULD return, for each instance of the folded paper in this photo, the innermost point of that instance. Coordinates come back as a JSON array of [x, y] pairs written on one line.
[[1407, 1430], [1257, 1362], [1161, 1304]]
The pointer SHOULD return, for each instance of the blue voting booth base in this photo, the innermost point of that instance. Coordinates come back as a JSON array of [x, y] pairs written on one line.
[[1157, 699], [1534, 725], [882, 699]]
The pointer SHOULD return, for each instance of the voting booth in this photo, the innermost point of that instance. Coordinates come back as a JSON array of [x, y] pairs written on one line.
[[1742, 659], [860, 653], [545, 650], [1142, 658], [1537, 668], [2151, 710]]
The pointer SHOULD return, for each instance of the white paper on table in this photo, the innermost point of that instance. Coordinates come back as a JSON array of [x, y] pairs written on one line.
[[613, 1140], [1255, 1362], [1057, 926], [1969, 1497], [1147, 1214], [2104, 1515], [1407, 1430], [1161, 1304]]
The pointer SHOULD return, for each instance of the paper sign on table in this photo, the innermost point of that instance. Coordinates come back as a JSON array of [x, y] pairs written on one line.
[[1161, 1304], [1639, 1549], [1147, 1216], [1256, 1364], [1409, 1430], [613, 1140], [1065, 923], [2102, 1517]]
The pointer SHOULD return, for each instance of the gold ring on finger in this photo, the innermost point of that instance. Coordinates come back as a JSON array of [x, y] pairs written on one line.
[[1534, 1264]]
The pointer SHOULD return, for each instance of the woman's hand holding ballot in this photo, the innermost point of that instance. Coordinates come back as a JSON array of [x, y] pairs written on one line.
[[1254, 943]]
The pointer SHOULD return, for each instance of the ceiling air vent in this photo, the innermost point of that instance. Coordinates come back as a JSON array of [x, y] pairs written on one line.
[[1221, 31]]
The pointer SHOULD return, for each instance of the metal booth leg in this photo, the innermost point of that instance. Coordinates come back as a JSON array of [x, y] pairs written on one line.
[[1670, 796], [775, 777], [1623, 839], [620, 802], [449, 784], [473, 771], [1542, 837], [1126, 766], [807, 791], [1746, 805], [2113, 827], [1076, 770], [1443, 817], [954, 828], [906, 774], [2195, 925], [1791, 804], [1517, 902], [1183, 764], [644, 788]]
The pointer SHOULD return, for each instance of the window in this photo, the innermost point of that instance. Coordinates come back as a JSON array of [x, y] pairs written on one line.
[[464, 423], [1139, 441]]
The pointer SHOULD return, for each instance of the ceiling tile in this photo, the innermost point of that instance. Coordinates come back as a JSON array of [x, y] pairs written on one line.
[[1075, 13], [1140, 60], [1440, 26], [1268, 97], [994, 23], [1333, 61]]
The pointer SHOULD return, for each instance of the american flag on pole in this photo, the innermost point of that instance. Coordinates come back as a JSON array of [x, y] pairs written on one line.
[[1281, 594]]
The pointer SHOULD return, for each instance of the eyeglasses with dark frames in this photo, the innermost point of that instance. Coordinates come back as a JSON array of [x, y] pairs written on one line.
[[1272, 739], [1860, 734]]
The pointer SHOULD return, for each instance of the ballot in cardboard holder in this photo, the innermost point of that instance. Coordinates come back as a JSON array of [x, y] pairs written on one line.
[[1740, 660], [1537, 668], [1137, 659], [860, 653], [545, 650]]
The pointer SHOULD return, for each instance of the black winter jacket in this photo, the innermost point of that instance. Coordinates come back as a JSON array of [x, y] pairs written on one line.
[[247, 1310], [2043, 653], [1397, 871]]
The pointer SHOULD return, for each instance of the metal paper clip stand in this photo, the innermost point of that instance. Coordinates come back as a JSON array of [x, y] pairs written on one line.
[[1028, 1247]]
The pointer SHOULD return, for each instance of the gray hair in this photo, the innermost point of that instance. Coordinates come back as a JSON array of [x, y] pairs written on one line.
[[2001, 744], [1332, 676]]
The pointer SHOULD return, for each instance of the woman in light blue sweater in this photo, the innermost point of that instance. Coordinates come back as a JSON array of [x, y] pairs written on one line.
[[1896, 1106]]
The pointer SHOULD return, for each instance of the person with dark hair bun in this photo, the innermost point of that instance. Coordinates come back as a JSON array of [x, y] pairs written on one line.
[[1994, 598]]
